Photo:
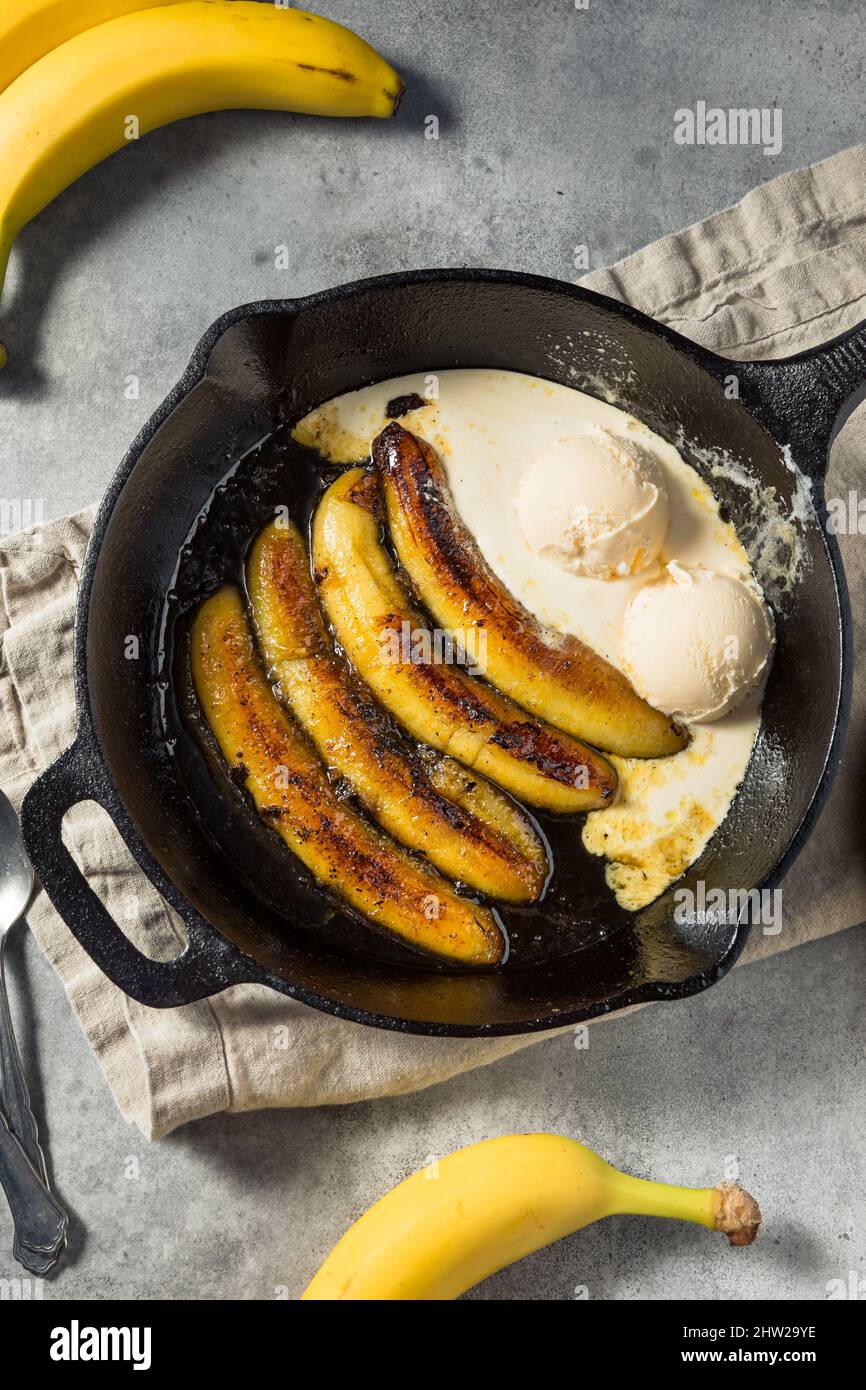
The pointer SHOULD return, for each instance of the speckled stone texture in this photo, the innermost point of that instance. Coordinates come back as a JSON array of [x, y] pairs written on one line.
[[556, 131]]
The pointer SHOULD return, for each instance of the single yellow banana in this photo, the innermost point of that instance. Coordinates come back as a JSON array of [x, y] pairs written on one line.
[[31, 28], [113, 83], [448, 1227]]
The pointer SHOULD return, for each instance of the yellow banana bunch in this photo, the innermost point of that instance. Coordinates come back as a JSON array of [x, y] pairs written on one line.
[[83, 100], [448, 1227]]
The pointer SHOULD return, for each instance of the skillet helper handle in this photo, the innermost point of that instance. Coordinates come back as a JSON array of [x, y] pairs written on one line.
[[40, 1221], [806, 399], [207, 965]]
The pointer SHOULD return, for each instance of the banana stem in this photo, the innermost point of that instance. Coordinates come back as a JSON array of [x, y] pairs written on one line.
[[725, 1208]]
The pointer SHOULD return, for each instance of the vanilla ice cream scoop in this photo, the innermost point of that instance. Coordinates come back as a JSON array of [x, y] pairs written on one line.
[[696, 642], [595, 503]]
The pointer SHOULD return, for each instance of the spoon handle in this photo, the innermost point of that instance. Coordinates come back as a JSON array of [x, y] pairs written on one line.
[[14, 1095], [40, 1221]]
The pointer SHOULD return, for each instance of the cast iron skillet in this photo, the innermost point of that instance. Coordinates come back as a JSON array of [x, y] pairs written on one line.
[[274, 361]]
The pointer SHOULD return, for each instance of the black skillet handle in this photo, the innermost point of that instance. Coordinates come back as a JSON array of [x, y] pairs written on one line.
[[805, 400], [208, 964]]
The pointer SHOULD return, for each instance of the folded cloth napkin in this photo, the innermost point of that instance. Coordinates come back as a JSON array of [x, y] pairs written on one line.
[[783, 270]]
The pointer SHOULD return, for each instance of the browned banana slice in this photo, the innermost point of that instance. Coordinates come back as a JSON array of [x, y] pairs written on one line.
[[480, 798], [438, 702], [553, 674], [474, 833], [291, 791]]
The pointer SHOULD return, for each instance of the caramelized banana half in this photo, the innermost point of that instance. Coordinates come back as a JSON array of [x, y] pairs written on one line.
[[552, 674], [477, 834], [395, 652], [270, 755]]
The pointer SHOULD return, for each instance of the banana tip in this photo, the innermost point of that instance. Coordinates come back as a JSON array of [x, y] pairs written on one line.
[[739, 1216], [4, 356]]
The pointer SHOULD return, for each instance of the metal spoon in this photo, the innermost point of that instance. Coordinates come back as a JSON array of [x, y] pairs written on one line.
[[40, 1221]]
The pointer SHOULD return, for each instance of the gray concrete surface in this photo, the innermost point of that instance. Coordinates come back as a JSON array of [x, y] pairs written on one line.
[[555, 129]]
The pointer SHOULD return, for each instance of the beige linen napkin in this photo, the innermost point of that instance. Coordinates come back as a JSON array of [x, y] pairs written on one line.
[[783, 270]]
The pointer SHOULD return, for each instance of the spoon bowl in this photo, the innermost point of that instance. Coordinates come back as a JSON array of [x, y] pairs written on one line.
[[16, 871]]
